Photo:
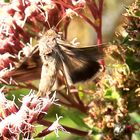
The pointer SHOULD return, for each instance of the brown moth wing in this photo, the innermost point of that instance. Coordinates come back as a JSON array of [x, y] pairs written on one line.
[[24, 75], [81, 63], [94, 52], [28, 68]]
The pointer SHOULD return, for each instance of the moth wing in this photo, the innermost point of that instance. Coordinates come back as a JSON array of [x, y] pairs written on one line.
[[94, 52], [80, 63], [28, 69], [26, 74]]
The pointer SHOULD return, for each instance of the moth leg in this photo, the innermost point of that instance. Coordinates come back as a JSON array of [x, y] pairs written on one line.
[[67, 78]]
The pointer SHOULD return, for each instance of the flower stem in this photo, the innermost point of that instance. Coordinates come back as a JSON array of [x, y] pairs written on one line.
[[69, 129]]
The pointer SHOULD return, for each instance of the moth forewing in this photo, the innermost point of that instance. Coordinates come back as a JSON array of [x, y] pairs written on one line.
[[93, 52], [27, 68], [66, 74]]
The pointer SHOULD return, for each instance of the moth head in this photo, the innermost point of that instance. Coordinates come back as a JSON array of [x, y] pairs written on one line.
[[51, 33]]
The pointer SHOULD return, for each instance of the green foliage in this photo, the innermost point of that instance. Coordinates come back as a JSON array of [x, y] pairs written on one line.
[[133, 64], [6, 0], [111, 94]]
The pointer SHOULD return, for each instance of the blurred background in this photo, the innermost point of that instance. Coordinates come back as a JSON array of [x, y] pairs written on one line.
[[112, 17]]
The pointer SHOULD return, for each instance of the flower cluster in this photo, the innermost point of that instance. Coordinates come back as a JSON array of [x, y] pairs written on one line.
[[132, 25], [21, 20], [15, 120]]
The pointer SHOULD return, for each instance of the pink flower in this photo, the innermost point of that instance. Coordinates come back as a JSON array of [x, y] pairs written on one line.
[[78, 2], [56, 126], [5, 60], [16, 120]]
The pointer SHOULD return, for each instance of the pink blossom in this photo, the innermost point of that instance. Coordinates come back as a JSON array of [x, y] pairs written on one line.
[[56, 126], [19, 120], [78, 2]]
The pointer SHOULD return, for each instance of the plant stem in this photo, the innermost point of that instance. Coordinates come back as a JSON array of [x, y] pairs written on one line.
[[71, 130]]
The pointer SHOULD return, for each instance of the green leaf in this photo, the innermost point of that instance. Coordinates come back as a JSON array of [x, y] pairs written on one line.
[[136, 136], [77, 118], [125, 40], [18, 94], [111, 93], [135, 117], [6, 0], [81, 94], [132, 63], [96, 131], [71, 117]]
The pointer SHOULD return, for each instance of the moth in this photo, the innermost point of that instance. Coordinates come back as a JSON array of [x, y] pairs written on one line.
[[76, 64], [57, 54]]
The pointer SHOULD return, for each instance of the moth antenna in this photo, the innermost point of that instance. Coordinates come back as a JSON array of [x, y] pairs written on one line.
[[48, 24], [64, 17], [60, 21], [94, 45]]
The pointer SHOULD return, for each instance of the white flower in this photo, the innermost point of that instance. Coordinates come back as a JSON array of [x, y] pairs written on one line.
[[70, 13], [78, 2], [56, 126]]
